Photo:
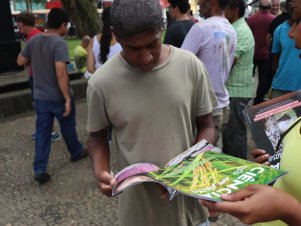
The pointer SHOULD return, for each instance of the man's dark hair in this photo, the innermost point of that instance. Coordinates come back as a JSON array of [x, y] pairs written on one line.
[[240, 4], [27, 18], [131, 17], [183, 5], [223, 4], [265, 4], [56, 17]]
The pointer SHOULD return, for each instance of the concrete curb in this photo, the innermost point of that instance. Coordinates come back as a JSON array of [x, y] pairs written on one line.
[[18, 102]]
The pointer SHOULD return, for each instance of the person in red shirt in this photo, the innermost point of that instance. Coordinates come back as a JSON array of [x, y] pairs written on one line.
[[26, 24]]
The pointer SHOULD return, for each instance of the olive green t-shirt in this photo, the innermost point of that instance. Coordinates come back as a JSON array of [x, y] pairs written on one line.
[[153, 115]]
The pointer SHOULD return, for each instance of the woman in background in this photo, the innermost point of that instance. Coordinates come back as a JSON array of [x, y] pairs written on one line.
[[103, 46]]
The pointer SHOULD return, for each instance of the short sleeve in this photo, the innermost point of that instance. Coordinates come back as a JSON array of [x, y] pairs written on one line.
[[276, 40], [206, 99], [97, 114], [26, 50], [193, 40], [61, 52], [242, 46]]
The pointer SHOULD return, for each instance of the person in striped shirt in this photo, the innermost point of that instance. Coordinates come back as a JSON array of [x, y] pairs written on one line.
[[240, 81]]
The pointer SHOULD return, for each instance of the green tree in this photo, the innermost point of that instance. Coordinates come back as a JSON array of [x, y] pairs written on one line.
[[84, 16]]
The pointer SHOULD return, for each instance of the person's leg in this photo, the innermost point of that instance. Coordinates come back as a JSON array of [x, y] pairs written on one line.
[[262, 80], [269, 75], [235, 134], [220, 121], [68, 129], [44, 123]]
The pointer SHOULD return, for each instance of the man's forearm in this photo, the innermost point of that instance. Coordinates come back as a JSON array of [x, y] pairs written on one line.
[[63, 82], [99, 152], [205, 129], [208, 134]]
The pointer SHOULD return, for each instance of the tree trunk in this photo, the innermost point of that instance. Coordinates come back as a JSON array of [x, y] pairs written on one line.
[[84, 16], [28, 5]]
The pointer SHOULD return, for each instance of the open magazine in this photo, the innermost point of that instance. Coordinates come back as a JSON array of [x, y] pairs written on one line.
[[270, 120], [200, 172]]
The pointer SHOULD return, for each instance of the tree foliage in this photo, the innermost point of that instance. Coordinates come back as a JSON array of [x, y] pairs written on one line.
[[84, 16]]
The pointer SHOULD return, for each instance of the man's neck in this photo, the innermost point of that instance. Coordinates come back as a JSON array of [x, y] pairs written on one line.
[[235, 19], [28, 30], [52, 32], [182, 17], [218, 12], [165, 52]]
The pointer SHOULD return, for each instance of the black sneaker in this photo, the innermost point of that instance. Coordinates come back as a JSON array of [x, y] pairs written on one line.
[[84, 154], [42, 177]]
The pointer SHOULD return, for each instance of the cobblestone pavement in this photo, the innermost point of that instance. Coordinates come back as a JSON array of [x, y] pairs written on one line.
[[70, 198]]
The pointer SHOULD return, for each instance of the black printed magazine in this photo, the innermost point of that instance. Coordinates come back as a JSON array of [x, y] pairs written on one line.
[[270, 120]]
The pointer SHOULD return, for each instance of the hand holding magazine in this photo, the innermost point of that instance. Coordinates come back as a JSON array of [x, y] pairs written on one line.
[[199, 172], [270, 121]]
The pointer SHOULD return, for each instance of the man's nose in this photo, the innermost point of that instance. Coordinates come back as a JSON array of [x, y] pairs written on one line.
[[146, 57]]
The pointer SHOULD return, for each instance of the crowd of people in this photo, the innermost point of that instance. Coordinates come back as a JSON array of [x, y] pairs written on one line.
[[162, 97]]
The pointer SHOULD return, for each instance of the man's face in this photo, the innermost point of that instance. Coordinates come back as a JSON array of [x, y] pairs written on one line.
[[275, 7], [296, 9], [204, 8], [230, 13], [142, 50], [171, 11], [295, 31], [21, 27]]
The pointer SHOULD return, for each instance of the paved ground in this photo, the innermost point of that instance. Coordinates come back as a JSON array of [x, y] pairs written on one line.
[[70, 198]]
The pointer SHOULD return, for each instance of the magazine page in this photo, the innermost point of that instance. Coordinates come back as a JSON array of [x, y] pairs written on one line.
[[269, 120], [131, 175], [207, 175]]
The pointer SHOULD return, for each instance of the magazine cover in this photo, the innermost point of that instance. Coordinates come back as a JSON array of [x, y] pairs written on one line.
[[269, 120], [199, 172]]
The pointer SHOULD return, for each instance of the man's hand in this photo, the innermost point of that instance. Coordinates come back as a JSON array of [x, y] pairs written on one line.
[[164, 193], [105, 182], [260, 156], [68, 108], [257, 203]]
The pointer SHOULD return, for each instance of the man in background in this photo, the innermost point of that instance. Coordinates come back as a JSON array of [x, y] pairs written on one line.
[[26, 23], [213, 41], [240, 82], [48, 54], [275, 10], [177, 31], [80, 54]]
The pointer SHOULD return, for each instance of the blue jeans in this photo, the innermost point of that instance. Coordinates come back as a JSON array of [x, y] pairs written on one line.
[[46, 110]]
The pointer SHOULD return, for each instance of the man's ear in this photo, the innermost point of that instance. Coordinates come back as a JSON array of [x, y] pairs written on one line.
[[117, 38], [236, 10], [63, 25], [177, 9], [214, 2]]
